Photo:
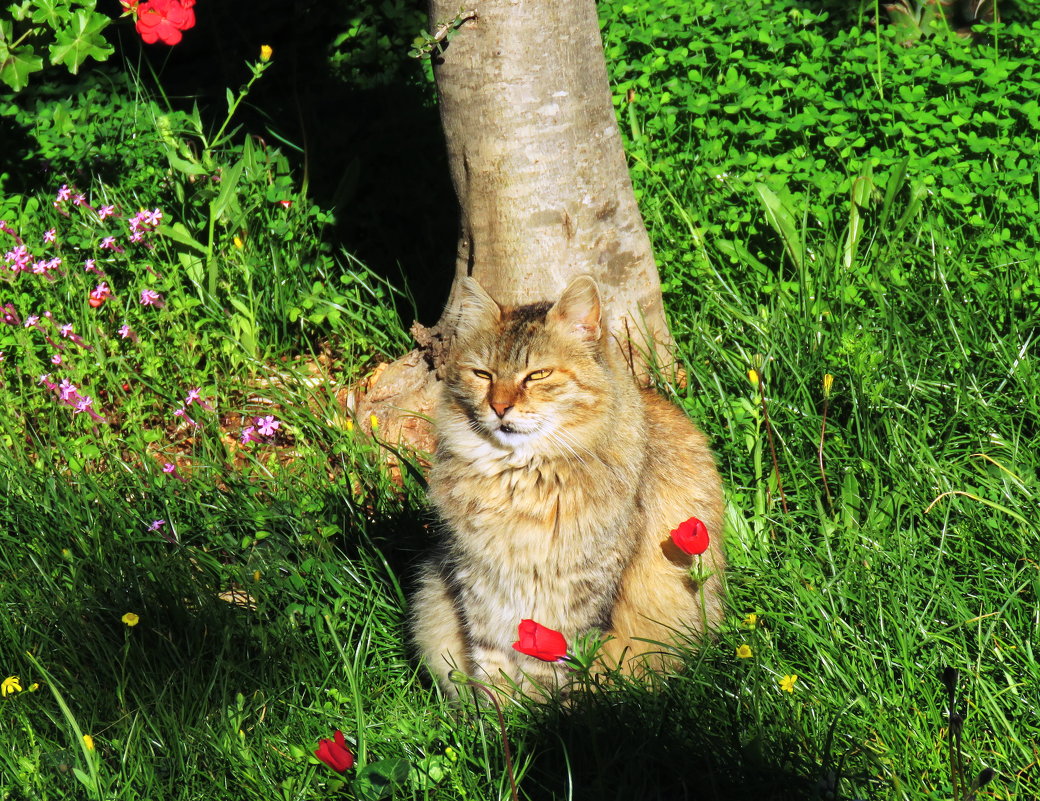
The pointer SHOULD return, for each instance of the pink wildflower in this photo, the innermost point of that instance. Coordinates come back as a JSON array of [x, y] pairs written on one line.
[[56, 359], [267, 425], [105, 211], [182, 412], [125, 332], [249, 435], [63, 194], [156, 525], [50, 235], [149, 297], [10, 314]]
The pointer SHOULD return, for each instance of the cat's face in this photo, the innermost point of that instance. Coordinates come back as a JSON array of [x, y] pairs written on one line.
[[528, 378]]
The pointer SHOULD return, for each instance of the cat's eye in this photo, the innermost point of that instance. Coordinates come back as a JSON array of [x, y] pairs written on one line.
[[538, 375], [484, 375]]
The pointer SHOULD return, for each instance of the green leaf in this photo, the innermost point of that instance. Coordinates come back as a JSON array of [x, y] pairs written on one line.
[[378, 780], [16, 66], [81, 40]]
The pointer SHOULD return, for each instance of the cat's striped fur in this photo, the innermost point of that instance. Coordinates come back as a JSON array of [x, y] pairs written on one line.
[[558, 481]]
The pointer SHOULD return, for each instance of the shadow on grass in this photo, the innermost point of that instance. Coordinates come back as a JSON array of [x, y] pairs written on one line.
[[682, 741]]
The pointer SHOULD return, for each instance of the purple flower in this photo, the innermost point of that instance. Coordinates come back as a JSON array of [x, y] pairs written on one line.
[[85, 403], [63, 194], [249, 435], [267, 425], [66, 330], [10, 314], [156, 525], [31, 321], [79, 200]]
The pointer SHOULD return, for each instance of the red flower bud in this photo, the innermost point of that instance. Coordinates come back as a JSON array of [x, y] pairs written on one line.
[[540, 642], [335, 754], [691, 537]]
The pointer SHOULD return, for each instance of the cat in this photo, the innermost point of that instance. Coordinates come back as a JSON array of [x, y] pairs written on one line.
[[558, 481]]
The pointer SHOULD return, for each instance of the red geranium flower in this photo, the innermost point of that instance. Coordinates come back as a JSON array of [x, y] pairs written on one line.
[[163, 20], [540, 642], [691, 537], [335, 754]]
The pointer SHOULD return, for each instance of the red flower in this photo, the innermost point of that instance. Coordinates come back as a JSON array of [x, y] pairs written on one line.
[[335, 754], [540, 642], [164, 20], [691, 537]]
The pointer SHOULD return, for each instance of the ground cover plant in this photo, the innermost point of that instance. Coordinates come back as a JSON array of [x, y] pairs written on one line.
[[204, 565]]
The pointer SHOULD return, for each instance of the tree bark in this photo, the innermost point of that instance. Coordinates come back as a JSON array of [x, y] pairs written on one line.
[[541, 177]]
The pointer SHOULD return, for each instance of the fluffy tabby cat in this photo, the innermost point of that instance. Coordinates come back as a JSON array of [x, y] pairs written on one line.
[[558, 481]]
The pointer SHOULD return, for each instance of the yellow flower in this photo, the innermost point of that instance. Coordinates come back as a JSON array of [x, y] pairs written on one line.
[[238, 242], [34, 686], [787, 683], [374, 421], [10, 686], [751, 620], [88, 741], [752, 375], [828, 382], [744, 651], [350, 425], [131, 619], [266, 52], [256, 575]]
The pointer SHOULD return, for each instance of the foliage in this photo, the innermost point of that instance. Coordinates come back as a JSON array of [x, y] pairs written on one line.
[[829, 209], [824, 128], [70, 29]]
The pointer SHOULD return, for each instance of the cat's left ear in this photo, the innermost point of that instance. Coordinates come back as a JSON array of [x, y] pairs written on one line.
[[578, 309]]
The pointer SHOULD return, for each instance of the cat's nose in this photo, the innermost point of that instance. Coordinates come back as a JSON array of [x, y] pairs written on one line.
[[501, 408]]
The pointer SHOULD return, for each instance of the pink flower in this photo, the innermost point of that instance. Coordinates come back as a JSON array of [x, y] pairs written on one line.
[[125, 332], [163, 20], [91, 267], [99, 295], [540, 642], [149, 297], [56, 359], [155, 525], [105, 211], [79, 200], [691, 537], [63, 194], [249, 435], [267, 425], [49, 235], [10, 314], [335, 753], [109, 243], [194, 396]]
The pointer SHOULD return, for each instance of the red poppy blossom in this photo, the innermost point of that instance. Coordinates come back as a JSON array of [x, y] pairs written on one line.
[[540, 642], [335, 753], [163, 20], [691, 537]]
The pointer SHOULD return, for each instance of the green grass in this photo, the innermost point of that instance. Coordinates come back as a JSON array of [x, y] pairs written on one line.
[[273, 602]]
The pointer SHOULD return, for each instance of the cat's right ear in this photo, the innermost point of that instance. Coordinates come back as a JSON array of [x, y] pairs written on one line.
[[478, 310], [578, 309]]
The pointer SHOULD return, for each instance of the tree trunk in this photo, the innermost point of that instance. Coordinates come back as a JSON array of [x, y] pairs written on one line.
[[541, 178]]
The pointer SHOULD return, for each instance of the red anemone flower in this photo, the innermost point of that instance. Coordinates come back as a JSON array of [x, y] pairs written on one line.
[[691, 537], [540, 642], [335, 753]]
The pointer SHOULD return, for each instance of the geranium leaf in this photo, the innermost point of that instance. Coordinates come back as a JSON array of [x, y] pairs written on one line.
[[16, 65], [81, 40]]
